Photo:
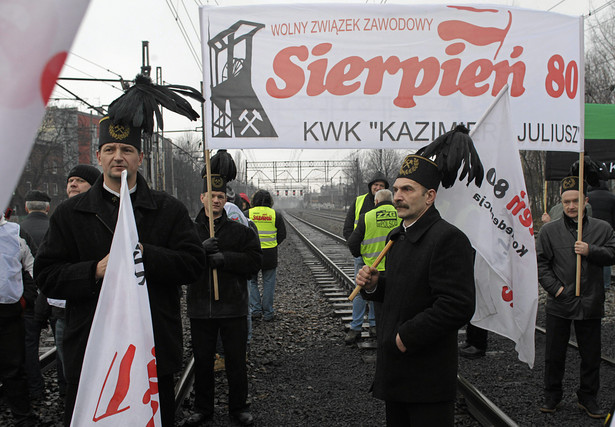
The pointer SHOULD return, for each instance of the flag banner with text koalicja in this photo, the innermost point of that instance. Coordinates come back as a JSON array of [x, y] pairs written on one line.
[[333, 76], [34, 42], [497, 219], [118, 385]]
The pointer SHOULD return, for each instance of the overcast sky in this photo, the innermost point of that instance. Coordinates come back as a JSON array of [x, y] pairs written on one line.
[[108, 44]]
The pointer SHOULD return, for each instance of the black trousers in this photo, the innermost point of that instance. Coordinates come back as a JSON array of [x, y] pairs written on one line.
[[476, 336], [12, 373], [404, 414], [234, 334], [588, 339]]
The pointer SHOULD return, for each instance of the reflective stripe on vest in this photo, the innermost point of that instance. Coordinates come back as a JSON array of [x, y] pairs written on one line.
[[358, 204], [11, 284], [264, 218], [378, 222]]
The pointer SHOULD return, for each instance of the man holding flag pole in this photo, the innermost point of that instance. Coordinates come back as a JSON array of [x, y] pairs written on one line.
[[74, 261]]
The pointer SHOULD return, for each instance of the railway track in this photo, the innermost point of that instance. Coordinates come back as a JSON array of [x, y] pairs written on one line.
[[331, 253]]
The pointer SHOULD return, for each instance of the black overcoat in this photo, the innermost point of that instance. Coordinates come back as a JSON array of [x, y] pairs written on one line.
[[80, 234], [427, 294], [242, 259]]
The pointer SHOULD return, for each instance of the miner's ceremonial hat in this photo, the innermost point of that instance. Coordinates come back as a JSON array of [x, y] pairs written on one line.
[[422, 170], [572, 183]]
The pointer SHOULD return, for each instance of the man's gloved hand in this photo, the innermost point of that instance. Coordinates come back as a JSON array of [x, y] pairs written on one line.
[[216, 260], [211, 245]]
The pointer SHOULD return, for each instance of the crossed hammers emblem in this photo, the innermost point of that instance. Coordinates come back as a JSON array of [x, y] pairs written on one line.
[[249, 122]]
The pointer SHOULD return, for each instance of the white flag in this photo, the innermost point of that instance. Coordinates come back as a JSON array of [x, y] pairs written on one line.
[[34, 43], [118, 384], [498, 221]]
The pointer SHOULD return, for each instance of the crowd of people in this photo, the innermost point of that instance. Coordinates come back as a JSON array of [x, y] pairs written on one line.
[[417, 307]]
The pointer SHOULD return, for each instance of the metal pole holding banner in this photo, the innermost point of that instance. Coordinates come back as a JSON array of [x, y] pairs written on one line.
[[206, 154]]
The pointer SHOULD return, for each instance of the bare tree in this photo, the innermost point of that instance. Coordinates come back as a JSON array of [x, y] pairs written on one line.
[[600, 58]]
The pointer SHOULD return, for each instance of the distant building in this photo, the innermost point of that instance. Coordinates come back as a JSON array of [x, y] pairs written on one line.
[[66, 137]]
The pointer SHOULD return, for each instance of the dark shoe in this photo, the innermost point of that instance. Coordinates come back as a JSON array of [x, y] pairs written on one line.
[[243, 418], [198, 419], [352, 336], [372, 331], [269, 319], [592, 409], [550, 406], [257, 315], [471, 352]]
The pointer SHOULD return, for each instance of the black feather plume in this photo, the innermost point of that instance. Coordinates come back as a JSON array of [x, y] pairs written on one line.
[[223, 164], [138, 105], [593, 171], [451, 150]]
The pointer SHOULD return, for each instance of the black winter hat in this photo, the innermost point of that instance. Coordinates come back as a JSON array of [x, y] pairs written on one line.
[[87, 172], [378, 176], [37, 196]]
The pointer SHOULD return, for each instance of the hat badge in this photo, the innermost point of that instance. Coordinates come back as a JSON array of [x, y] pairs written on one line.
[[568, 183], [119, 131], [410, 165], [217, 182]]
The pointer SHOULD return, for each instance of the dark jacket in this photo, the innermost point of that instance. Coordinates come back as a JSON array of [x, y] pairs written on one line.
[[368, 204], [356, 237], [242, 259], [36, 225], [80, 234], [427, 294], [603, 204], [557, 265]]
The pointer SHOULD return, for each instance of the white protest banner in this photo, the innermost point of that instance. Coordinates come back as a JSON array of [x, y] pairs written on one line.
[[118, 385], [332, 76], [497, 219], [34, 43]]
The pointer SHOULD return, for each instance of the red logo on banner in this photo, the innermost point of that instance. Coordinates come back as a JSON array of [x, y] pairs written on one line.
[[153, 388], [121, 387]]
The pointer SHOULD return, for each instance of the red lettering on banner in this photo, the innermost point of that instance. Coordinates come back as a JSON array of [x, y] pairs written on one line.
[[419, 76], [507, 294], [518, 206], [153, 388], [121, 387]]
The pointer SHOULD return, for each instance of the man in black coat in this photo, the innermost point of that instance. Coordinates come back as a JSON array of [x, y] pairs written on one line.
[[37, 221], [427, 294], [556, 250], [36, 225], [72, 260], [603, 203], [235, 253]]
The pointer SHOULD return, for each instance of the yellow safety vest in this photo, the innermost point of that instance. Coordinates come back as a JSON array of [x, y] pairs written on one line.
[[264, 218], [378, 222], [358, 204]]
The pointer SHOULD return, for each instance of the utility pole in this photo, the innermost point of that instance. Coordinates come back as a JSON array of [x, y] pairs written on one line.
[[161, 159], [147, 141]]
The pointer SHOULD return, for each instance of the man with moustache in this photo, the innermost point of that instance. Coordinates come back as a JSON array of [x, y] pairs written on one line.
[[427, 294], [557, 249], [72, 260]]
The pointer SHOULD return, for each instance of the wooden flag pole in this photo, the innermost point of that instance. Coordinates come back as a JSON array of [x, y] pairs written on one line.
[[357, 289], [206, 154], [580, 220], [544, 197]]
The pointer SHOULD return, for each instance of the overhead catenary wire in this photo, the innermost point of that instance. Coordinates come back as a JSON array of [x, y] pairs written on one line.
[[184, 34]]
